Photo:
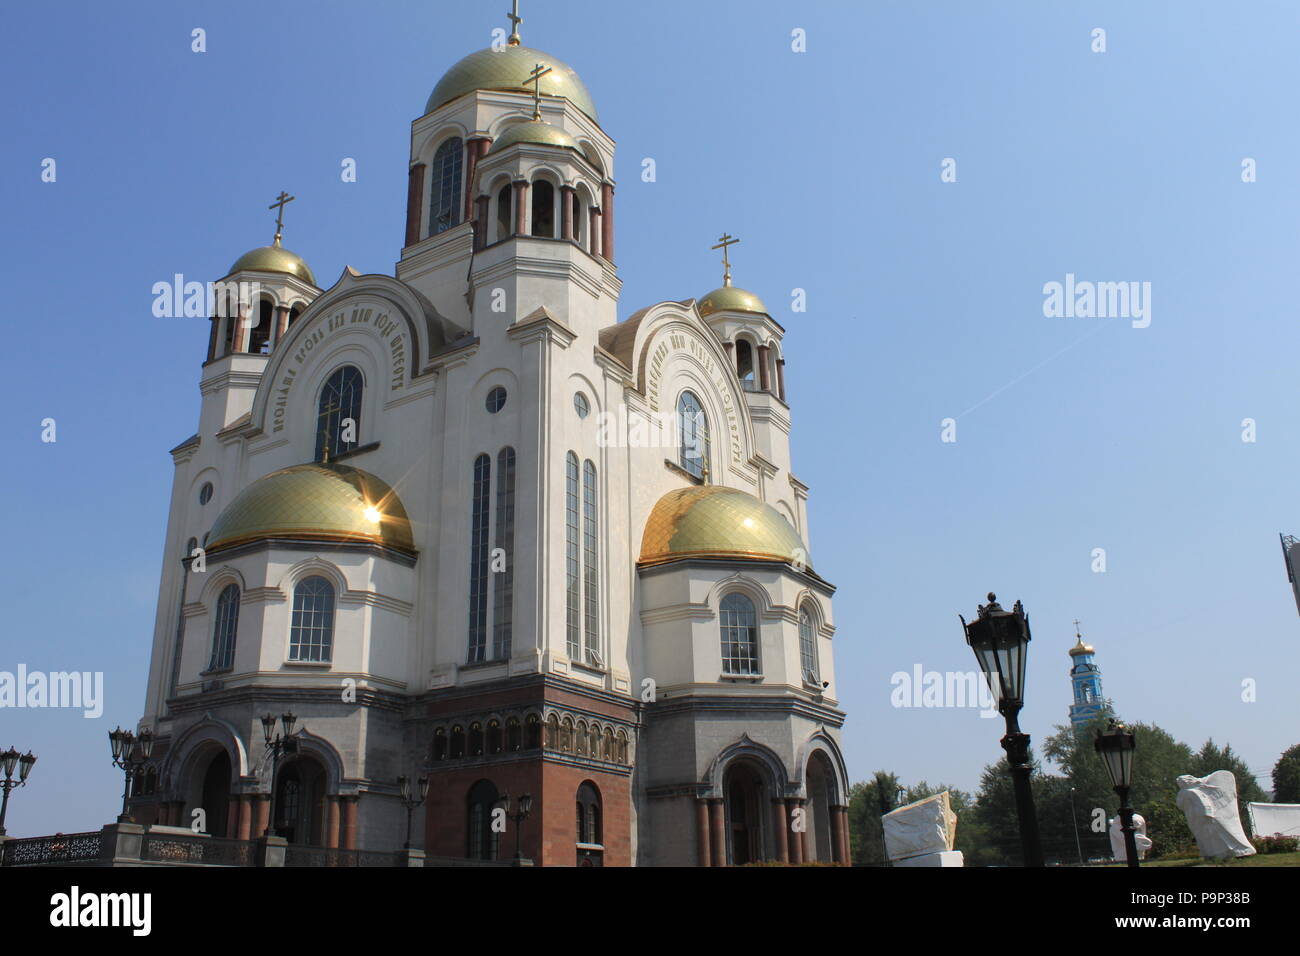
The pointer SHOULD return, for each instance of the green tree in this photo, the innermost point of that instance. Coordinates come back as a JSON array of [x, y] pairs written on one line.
[[1211, 758], [1286, 777], [865, 839]]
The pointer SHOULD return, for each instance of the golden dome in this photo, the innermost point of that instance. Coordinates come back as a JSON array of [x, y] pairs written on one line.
[[274, 258], [507, 69], [535, 133], [320, 502], [1080, 648], [728, 298], [716, 522]]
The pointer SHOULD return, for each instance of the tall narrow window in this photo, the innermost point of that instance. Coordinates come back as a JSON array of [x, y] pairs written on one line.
[[444, 193], [259, 337], [588, 825], [739, 635], [579, 214], [572, 583], [338, 421], [224, 628], [543, 209], [590, 573], [482, 842], [807, 646], [311, 637], [503, 604], [505, 224], [693, 426], [478, 560], [745, 364]]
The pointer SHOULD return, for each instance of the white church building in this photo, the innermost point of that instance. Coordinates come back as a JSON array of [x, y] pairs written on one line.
[[465, 524]]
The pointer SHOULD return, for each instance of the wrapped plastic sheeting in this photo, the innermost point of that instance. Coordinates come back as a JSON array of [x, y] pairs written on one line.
[[1274, 819], [1117, 848], [926, 826], [1210, 805]]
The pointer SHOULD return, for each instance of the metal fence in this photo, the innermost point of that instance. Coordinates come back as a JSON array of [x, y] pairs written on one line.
[[174, 849], [61, 849]]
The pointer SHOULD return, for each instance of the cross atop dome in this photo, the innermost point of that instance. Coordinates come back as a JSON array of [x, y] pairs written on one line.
[[724, 241], [515, 20], [278, 205]]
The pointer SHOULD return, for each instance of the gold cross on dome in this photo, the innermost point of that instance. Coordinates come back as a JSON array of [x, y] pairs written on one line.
[[723, 242], [535, 78], [280, 200], [1076, 629], [515, 20]]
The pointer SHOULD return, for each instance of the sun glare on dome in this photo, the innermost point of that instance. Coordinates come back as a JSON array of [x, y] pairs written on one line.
[[373, 514]]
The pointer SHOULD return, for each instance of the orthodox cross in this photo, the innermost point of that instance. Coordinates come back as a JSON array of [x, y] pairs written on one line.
[[515, 20], [535, 78], [1076, 629], [723, 242], [278, 205]]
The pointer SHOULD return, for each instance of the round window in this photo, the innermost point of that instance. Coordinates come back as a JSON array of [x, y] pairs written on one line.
[[581, 405], [496, 400], [205, 493]]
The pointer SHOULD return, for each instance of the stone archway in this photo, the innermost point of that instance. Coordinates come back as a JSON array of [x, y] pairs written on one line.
[[214, 793], [745, 796], [300, 810]]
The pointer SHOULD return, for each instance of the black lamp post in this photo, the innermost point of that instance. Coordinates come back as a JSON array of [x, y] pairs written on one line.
[[1116, 747], [130, 753], [519, 816], [410, 801], [285, 742], [1000, 640], [12, 758], [1074, 825]]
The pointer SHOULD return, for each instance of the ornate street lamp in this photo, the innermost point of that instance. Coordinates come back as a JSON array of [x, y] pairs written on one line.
[[1000, 640], [519, 816], [1116, 748], [276, 744], [130, 753], [10, 759], [410, 801]]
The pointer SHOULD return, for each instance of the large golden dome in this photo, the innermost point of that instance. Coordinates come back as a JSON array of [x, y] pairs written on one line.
[[319, 502], [728, 298], [274, 258], [507, 69], [535, 133], [715, 522]]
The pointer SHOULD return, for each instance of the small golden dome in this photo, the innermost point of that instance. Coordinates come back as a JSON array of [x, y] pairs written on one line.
[[711, 521], [535, 133], [728, 298], [507, 70], [317, 501], [274, 258], [1080, 648]]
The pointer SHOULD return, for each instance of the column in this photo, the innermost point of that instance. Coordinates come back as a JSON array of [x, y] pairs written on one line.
[[213, 336], [763, 381], [244, 829], [481, 221], [779, 828], [594, 231], [607, 221], [780, 379], [717, 836], [837, 835], [279, 326], [348, 836], [796, 839], [702, 856], [414, 200], [331, 821], [474, 150], [566, 212], [731, 349], [232, 816], [262, 805], [521, 206], [237, 339]]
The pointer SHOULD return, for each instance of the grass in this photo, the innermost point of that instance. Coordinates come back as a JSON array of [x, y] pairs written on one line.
[[1259, 859]]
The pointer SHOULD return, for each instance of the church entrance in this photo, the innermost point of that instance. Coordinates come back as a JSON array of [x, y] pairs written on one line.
[[744, 813], [821, 791], [215, 795], [300, 802]]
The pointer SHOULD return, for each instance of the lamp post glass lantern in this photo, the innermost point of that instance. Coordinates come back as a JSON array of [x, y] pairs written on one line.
[[1116, 746], [130, 753], [410, 801], [10, 759], [1000, 641], [277, 744]]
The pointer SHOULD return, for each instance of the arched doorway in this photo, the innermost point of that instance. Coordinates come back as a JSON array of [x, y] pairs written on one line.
[[744, 796], [821, 794], [214, 797], [300, 802]]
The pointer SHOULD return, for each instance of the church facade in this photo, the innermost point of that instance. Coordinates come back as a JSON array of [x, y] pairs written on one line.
[[465, 525]]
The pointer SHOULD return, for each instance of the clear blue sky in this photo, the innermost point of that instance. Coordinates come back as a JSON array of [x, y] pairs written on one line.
[[924, 300]]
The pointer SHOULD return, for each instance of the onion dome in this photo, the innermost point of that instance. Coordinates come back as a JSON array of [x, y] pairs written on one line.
[[729, 298], [316, 502], [507, 69], [535, 133], [710, 521], [1080, 647], [274, 258]]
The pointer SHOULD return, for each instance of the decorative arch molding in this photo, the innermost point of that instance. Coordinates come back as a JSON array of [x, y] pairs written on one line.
[[195, 743], [821, 741], [217, 581], [746, 749], [424, 148], [308, 567], [808, 598], [311, 745], [749, 587]]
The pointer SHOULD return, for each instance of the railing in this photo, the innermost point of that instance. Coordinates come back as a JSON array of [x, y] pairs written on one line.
[[174, 848], [296, 855], [461, 861], [62, 849]]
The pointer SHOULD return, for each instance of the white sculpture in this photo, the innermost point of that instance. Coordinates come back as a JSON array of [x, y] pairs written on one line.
[[1117, 848], [922, 833], [1210, 805]]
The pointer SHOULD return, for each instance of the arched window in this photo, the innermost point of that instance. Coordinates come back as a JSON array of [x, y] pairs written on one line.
[[739, 635], [579, 217], [504, 578], [457, 742], [478, 560], [543, 209], [580, 738], [590, 574], [311, 638], [224, 628], [513, 741], [745, 364], [444, 193], [807, 646], [338, 421], [572, 583], [620, 748], [476, 739], [533, 732], [552, 732], [566, 736], [505, 212], [589, 830], [693, 426], [259, 337], [440, 744], [495, 738], [482, 843]]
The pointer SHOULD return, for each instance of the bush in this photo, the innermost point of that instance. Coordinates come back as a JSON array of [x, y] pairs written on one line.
[[1276, 844], [1171, 838]]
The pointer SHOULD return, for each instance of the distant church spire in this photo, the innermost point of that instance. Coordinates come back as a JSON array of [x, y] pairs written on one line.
[[1085, 679]]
